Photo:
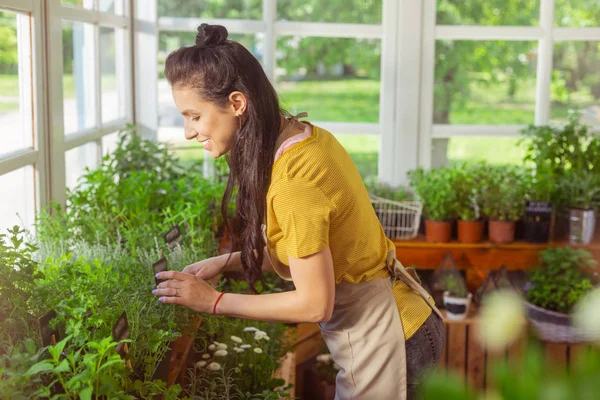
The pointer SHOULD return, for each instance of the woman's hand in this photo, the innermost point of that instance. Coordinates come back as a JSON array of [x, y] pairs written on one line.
[[206, 269], [187, 290]]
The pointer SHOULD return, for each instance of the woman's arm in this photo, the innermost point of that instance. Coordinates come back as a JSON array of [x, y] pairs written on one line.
[[312, 301]]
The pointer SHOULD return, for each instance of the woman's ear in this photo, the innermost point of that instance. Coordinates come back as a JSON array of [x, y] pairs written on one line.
[[238, 103]]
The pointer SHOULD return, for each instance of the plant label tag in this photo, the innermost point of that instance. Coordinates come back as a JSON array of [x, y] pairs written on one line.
[[538, 210], [173, 237], [49, 335], [120, 331], [160, 266]]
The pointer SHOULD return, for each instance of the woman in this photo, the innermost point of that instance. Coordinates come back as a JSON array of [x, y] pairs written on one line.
[[321, 231]]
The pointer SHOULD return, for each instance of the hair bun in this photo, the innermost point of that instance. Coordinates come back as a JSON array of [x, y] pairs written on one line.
[[211, 35]]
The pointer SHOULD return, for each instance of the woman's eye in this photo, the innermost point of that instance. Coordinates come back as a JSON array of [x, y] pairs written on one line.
[[196, 119]]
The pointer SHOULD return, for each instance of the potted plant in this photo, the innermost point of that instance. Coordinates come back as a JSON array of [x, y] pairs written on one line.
[[564, 275], [434, 189], [467, 184], [581, 191], [456, 298], [538, 209], [503, 198]]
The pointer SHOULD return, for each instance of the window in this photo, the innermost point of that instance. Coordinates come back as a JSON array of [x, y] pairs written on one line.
[[488, 13], [241, 9], [18, 198], [576, 81], [364, 151], [485, 82], [89, 4], [333, 11], [577, 13], [333, 79], [109, 143], [79, 75], [15, 83], [77, 160], [111, 77]]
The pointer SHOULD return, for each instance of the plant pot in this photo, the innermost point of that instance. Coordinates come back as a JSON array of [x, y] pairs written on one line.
[[457, 308], [560, 227], [582, 225], [502, 231], [553, 326], [470, 231], [537, 231], [438, 231]]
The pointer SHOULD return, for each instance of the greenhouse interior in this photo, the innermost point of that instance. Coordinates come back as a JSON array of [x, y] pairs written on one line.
[[422, 176]]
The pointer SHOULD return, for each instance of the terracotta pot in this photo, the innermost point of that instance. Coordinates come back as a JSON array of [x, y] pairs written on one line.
[[470, 231], [438, 231], [502, 231]]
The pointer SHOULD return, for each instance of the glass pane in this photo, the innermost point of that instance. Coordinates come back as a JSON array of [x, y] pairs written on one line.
[[89, 4], [334, 80], [112, 107], [109, 143], [488, 12], [495, 150], [79, 76], [238, 9], [337, 11], [77, 160], [15, 87], [364, 151], [577, 13], [17, 198], [485, 82], [171, 41], [576, 81]]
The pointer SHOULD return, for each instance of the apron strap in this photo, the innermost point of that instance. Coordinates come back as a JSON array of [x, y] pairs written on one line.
[[410, 278]]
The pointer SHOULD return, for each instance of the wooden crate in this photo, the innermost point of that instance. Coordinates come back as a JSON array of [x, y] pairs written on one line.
[[471, 362]]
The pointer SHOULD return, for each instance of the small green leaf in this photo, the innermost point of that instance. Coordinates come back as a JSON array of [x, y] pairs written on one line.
[[62, 367], [43, 366], [86, 394]]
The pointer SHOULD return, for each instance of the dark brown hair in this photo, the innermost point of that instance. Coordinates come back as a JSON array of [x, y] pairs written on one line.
[[216, 67]]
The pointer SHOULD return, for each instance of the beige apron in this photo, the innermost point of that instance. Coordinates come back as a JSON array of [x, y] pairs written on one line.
[[365, 335]]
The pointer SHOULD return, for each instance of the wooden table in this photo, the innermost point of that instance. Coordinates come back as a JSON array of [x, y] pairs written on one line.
[[479, 258]]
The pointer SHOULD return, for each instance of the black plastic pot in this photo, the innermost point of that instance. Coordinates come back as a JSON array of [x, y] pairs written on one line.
[[537, 231]]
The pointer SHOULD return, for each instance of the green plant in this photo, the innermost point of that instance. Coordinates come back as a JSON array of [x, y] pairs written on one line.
[[504, 193], [580, 189], [468, 180], [561, 278], [455, 285], [434, 189], [387, 191]]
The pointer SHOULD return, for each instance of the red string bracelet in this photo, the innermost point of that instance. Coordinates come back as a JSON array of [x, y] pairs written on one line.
[[217, 302]]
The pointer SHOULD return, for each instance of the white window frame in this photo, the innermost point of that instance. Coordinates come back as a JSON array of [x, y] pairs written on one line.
[[546, 34], [44, 66]]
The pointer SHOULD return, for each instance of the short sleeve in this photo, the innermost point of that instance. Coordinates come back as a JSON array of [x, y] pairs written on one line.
[[303, 213]]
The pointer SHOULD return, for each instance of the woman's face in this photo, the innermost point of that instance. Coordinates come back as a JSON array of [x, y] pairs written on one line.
[[213, 126]]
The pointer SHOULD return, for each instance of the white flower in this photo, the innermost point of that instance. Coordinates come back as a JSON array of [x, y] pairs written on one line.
[[237, 370], [236, 339], [220, 353], [212, 347], [258, 336], [586, 315], [336, 367], [222, 346], [245, 346], [502, 319], [206, 356], [214, 366], [216, 343], [258, 350], [267, 338], [238, 350], [324, 358], [250, 329], [200, 364], [261, 333]]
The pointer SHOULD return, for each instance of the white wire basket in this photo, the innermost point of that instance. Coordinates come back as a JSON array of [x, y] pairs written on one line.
[[400, 219]]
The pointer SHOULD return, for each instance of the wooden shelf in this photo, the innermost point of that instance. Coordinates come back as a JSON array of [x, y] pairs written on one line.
[[479, 258]]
